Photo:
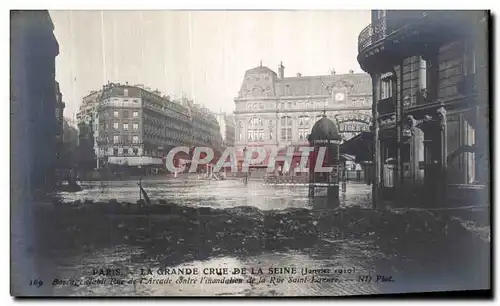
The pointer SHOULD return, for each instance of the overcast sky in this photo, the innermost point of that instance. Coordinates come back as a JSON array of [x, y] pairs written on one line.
[[201, 54]]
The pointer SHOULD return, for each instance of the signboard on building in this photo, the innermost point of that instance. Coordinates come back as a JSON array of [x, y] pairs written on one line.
[[352, 124]]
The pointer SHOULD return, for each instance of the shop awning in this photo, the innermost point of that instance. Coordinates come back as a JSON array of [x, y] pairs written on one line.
[[360, 146]]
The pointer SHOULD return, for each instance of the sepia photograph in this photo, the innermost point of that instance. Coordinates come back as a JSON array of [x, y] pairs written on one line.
[[250, 153]]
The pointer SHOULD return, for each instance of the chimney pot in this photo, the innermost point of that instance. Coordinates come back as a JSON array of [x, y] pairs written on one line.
[[333, 72], [351, 71], [299, 74]]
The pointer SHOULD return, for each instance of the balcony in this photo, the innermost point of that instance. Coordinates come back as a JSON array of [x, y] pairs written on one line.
[[404, 33], [372, 33], [392, 22]]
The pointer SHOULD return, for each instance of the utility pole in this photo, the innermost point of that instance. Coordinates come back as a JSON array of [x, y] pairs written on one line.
[[244, 163]]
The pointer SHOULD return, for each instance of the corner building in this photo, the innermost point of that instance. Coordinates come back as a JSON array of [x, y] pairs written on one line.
[[135, 126], [431, 114]]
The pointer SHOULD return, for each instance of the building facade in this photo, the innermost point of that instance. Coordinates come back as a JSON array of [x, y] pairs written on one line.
[[136, 126], [60, 123], [88, 132], [206, 129], [274, 110], [430, 90], [34, 99], [227, 128], [33, 137]]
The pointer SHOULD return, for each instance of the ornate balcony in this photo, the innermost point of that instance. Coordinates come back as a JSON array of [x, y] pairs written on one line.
[[404, 33], [372, 33]]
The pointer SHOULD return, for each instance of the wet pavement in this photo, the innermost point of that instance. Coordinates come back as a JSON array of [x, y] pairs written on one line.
[[225, 224]]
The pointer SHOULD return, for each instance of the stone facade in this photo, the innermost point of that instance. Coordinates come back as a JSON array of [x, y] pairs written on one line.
[[431, 102], [275, 110], [137, 126]]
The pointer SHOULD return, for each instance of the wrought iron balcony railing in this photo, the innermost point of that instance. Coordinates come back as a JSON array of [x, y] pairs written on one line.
[[372, 33]]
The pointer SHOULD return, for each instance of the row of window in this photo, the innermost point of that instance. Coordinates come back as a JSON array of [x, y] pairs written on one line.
[[285, 121], [166, 110], [284, 105], [118, 139], [116, 126], [286, 134], [135, 114], [258, 78], [126, 151], [126, 100], [168, 134]]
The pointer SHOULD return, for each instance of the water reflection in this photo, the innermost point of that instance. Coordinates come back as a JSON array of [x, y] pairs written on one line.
[[216, 194]]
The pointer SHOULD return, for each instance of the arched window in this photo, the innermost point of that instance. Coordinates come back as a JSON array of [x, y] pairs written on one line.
[[255, 122]]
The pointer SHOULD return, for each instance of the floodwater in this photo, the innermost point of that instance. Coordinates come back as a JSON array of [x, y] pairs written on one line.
[[393, 265], [215, 194]]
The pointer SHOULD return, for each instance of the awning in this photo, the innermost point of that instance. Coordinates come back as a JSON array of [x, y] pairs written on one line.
[[360, 146], [347, 157]]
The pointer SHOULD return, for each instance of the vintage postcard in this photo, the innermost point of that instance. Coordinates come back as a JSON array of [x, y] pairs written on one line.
[[249, 153]]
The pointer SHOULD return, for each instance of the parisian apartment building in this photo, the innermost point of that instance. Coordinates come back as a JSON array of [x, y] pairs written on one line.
[[133, 125], [430, 93]]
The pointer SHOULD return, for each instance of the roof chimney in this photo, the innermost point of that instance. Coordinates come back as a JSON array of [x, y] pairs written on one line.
[[333, 72], [351, 71], [299, 74], [281, 71]]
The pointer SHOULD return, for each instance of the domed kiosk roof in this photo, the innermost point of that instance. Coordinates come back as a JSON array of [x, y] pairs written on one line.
[[324, 129]]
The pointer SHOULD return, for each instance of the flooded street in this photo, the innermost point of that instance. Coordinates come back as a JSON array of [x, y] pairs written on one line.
[[225, 224], [215, 194]]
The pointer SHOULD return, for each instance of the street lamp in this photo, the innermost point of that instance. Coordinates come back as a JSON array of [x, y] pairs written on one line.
[[244, 163]]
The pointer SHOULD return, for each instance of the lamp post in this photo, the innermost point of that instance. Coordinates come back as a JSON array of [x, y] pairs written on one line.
[[244, 163]]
